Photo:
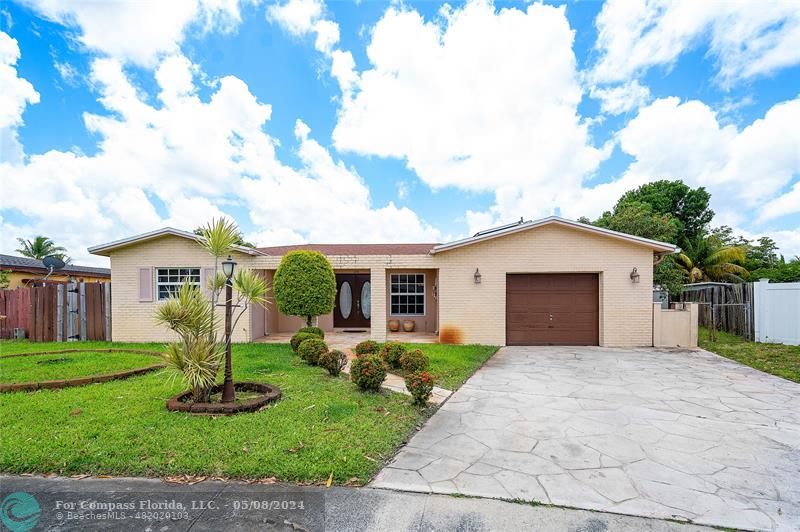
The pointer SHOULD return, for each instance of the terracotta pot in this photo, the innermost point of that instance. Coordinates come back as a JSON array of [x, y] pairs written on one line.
[[408, 325], [394, 325]]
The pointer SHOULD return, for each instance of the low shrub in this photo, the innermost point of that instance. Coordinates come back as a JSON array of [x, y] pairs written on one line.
[[333, 361], [368, 372], [413, 361], [311, 349], [313, 330], [420, 384], [367, 347], [301, 337], [391, 353]]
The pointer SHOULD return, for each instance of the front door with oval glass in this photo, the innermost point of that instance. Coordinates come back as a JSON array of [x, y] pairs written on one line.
[[353, 308]]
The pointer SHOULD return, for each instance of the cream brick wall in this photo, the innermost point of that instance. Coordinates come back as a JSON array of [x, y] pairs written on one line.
[[132, 321], [479, 310]]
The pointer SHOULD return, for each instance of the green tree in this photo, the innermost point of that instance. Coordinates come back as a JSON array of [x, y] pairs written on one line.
[[4, 278], [40, 247], [239, 240], [689, 206], [763, 254], [782, 272], [636, 218], [706, 258], [198, 355], [305, 285]]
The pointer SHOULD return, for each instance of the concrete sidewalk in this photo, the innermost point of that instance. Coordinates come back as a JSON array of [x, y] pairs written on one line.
[[152, 505]]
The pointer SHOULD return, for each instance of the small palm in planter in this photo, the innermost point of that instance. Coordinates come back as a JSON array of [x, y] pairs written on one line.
[[199, 354]]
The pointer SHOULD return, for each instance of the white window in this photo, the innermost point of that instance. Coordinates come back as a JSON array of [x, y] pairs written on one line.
[[169, 280], [407, 294]]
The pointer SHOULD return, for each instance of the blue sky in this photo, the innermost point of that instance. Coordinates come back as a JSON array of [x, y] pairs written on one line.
[[371, 121]]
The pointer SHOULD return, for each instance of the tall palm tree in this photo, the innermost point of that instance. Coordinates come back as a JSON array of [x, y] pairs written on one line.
[[707, 259], [40, 247]]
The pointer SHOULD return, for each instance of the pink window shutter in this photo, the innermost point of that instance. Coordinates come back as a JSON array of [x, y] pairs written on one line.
[[145, 284]]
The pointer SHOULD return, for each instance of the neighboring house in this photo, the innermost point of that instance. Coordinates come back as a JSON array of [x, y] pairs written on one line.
[[550, 281], [24, 271]]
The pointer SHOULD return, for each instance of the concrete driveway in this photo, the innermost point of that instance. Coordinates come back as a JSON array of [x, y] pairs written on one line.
[[668, 434]]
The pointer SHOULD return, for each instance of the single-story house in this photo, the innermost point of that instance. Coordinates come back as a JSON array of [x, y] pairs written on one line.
[[23, 271], [545, 282]]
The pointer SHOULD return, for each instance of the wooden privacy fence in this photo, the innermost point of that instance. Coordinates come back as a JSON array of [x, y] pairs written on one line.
[[57, 312], [723, 306]]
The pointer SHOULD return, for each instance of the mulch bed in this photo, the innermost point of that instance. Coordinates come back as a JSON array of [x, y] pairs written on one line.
[[269, 394]]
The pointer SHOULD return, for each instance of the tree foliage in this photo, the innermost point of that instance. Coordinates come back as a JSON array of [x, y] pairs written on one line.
[[305, 285], [40, 247], [636, 218], [238, 240], [688, 206], [706, 258]]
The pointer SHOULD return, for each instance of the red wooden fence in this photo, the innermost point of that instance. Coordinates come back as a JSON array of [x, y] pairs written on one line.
[[57, 312]]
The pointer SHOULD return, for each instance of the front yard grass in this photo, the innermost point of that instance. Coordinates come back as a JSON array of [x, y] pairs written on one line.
[[451, 364], [777, 359], [321, 426], [37, 368]]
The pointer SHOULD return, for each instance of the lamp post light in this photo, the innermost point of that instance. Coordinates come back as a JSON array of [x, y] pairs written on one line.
[[228, 394]]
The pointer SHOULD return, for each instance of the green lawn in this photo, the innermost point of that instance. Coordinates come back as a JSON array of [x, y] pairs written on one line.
[[777, 359], [37, 368], [454, 364], [322, 425]]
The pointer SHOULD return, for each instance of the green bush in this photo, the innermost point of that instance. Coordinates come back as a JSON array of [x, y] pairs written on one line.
[[313, 330], [304, 285], [391, 353], [413, 361], [367, 347], [420, 384], [333, 361], [301, 337], [311, 349], [368, 372]]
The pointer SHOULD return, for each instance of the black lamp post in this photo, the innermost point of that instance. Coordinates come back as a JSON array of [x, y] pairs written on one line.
[[228, 395]]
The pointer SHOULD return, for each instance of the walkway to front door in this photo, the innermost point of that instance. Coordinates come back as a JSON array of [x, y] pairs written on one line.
[[669, 434], [353, 309]]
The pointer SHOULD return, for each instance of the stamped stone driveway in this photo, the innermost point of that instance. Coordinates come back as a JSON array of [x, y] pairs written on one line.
[[682, 435]]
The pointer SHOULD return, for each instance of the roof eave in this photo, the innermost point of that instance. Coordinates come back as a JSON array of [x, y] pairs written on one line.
[[655, 245], [105, 249]]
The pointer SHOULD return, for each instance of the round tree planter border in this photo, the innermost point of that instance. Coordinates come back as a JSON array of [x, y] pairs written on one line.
[[78, 381], [270, 394]]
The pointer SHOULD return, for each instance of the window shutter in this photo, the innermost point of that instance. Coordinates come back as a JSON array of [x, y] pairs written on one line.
[[206, 274], [145, 284]]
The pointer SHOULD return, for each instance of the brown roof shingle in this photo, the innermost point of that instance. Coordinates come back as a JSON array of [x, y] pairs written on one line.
[[353, 249]]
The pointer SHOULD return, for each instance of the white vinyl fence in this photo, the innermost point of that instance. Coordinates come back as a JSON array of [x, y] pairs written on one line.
[[777, 312]]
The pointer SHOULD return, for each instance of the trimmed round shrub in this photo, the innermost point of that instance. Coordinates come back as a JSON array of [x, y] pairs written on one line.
[[311, 349], [420, 385], [413, 361], [301, 337], [367, 347], [333, 361], [368, 372], [313, 330], [304, 285], [391, 353]]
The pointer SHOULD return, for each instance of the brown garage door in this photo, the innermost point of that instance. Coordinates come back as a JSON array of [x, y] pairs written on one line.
[[552, 309]]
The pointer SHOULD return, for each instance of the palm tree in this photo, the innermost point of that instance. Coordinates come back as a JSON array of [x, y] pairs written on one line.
[[707, 259], [40, 247]]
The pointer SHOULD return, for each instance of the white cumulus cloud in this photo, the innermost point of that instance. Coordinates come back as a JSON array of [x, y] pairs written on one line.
[[746, 39], [139, 31], [15, 96], [450, 98], [185, 159]]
